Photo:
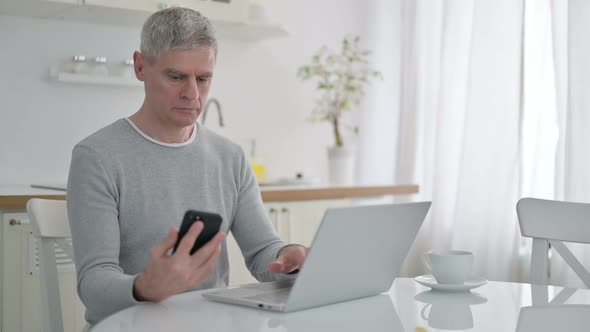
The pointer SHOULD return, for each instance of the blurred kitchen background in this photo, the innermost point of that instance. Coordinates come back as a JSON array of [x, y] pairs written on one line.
[[255, 82]]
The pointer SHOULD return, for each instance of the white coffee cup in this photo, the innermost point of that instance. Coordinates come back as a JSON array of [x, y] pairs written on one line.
[[449, 267]]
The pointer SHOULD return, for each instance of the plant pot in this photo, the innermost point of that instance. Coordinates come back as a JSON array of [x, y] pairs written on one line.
[[341, 165]]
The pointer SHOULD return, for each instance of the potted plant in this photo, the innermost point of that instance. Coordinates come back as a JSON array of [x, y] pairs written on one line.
[[341, 78]]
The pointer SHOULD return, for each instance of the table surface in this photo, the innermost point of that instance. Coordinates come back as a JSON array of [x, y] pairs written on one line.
[[408, 306]]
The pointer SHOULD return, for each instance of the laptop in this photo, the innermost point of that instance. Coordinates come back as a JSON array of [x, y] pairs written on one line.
[[357, 252]]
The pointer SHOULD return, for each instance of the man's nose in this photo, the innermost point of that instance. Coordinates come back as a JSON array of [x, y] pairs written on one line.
[[190, 90]]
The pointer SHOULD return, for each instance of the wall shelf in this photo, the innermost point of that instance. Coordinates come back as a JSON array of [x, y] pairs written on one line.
[[70, 78]]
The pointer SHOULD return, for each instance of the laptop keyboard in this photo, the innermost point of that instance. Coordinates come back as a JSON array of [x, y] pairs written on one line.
[[270, 292], [277, 285], [278, 296]]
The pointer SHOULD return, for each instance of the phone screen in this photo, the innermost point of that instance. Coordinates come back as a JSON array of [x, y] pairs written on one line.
[[211, 221]]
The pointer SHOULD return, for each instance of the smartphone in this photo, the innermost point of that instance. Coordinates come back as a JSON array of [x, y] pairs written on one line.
[[212, 222]]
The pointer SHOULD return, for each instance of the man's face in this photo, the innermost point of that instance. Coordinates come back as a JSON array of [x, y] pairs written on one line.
[[176, 84]]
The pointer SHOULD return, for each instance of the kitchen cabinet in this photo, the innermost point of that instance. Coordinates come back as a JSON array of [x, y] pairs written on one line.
[[70, 2], [222, 10], [36, 8], [298, 221], [135, 10], [230, 18], [21, 300]]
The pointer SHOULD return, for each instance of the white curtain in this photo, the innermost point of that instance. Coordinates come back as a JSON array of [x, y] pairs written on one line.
[[459, 134], [489, 100]]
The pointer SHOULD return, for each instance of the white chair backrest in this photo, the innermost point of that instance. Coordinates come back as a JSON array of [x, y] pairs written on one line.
[[50, 225], [49, 218], [547, 221]]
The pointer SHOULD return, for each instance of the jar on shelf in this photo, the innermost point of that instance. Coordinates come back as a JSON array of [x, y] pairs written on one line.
[[99, 66], [78, 65], [126, 69]]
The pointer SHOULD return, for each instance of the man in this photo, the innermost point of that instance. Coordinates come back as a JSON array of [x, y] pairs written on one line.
[[131, 182]]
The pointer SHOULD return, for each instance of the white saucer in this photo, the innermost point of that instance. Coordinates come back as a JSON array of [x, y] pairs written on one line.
[[429, 281], [435, 297]]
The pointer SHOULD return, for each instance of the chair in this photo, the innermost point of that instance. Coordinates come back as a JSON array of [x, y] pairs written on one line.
[[49, 220], [551, 222]]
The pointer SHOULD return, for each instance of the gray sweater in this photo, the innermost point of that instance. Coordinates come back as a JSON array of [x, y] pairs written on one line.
[[125, 191]]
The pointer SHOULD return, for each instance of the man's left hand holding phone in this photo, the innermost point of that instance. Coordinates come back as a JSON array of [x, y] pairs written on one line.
[[196, 248]]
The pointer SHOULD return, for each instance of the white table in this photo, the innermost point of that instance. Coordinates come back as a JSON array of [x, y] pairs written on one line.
[[408, 306]]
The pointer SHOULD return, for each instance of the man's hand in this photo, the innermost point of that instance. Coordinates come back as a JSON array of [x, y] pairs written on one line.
[[168, 275], [290, 258]]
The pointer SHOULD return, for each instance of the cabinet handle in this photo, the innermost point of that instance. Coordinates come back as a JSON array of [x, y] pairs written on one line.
[[18, 222], [287, 213], [273, 213]]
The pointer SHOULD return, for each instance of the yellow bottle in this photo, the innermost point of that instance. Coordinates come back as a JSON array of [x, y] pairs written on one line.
[[257, 165]]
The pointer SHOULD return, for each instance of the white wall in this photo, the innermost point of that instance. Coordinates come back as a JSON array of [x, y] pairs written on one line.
[[40, 121]]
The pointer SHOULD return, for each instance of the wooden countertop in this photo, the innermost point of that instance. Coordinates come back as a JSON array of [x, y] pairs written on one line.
[[16, 197], [288, 194]]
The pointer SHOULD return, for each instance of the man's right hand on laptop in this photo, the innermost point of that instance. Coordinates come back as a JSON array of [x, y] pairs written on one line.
[[167, 275]]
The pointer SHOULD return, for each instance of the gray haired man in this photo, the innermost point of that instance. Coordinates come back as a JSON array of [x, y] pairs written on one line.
[[131, 182]]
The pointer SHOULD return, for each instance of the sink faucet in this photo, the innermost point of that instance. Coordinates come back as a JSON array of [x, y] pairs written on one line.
[[218, 106]]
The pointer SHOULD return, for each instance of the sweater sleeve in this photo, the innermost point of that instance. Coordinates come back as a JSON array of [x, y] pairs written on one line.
[[252, 228], [92, 198]]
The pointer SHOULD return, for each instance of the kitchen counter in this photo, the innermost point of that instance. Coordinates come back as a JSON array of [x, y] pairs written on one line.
[[16, 197], [310, 193]]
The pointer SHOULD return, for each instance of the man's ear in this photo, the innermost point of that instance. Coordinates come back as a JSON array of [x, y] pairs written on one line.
[[138, 65]]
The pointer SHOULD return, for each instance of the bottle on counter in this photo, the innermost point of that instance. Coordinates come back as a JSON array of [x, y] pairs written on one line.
[[256, 164]]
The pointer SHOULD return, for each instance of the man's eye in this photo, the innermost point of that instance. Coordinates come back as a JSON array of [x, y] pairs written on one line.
[[203, 80], [175, 77]]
